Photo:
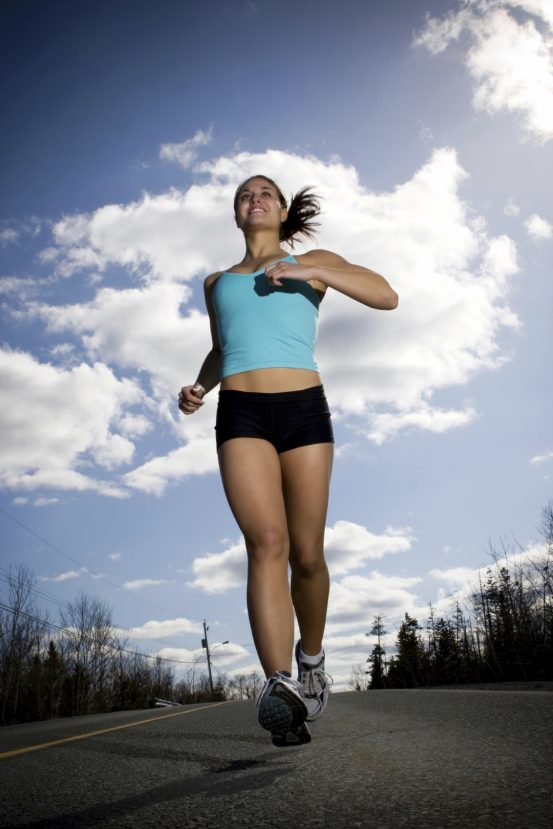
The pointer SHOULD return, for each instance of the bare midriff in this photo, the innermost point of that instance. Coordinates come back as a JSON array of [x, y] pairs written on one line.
[[267, 380]]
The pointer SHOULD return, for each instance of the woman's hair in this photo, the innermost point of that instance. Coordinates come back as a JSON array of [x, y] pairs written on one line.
[[304, 206]]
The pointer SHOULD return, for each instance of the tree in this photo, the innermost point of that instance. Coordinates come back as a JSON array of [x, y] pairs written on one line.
[[378, 655], [358, 679], [376, 660], [21, 633], [244, 686], [90, 648], [407, 668]]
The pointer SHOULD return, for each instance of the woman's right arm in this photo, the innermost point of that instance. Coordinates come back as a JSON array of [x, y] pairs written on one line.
[[190, 397]]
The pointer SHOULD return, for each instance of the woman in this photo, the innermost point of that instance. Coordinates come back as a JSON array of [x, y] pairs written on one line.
[[274, 435]]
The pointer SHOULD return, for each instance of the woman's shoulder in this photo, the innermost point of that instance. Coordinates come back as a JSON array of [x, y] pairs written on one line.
[[211, 279], [318, 256]]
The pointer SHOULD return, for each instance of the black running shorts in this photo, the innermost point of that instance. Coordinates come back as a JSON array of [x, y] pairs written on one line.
[[286, 419]]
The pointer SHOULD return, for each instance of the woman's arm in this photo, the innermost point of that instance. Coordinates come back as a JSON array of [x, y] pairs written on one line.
[[210, 372], [333, 271], [209, 376]]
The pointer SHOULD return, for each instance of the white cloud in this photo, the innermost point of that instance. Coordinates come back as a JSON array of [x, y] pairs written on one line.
[[135, 425], [222, 658], [12, 230], [386, 425], [198, 457], [20, 288], [52, 420], [63, 351], [161, 629], [538, 228], [425, 133], [543, 458], [138, 584], [67, 576], [195, 658], [8, 236], [114, 556], [540, 8], [511, 208], [137, 329], [185, 153], [357, 599], [534, 555], [219, 572], [154, 238], [45, 502], [454, 577], [348, 547], [510, 56], [452, 278]]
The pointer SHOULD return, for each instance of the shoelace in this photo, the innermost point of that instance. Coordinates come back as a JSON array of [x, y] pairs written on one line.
[[314, 680]]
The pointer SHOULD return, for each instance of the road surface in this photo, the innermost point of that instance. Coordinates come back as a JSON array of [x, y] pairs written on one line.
[[387, 759]]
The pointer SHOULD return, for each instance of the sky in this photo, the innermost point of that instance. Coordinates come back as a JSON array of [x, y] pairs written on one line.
[[426, 128]]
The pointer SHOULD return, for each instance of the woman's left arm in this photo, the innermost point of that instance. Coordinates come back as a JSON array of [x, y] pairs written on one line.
[[333, 271]]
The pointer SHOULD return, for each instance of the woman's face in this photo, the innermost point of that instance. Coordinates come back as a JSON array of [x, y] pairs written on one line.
[[258, 205]]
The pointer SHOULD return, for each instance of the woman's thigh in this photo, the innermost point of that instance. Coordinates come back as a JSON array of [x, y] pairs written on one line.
[[252, 479], [306, 475]]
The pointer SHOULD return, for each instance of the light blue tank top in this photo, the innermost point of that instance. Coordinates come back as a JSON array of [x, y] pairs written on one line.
[[265, 326]]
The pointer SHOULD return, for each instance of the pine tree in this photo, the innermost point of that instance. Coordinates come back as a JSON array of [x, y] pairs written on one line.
[[377, 659], [409, 666]]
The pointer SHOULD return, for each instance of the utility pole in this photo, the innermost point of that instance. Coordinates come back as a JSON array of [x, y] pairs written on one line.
[[205, 645]]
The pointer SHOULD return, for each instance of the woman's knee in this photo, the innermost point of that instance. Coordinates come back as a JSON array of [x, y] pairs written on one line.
[[268, 544], [307, 562]]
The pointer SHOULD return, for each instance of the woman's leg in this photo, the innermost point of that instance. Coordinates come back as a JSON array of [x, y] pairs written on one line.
[[305, 479], [252, 479]]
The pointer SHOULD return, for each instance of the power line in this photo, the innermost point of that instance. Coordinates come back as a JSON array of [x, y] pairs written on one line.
[[87, 569], [61, 602], [74, 633], [42, 594]]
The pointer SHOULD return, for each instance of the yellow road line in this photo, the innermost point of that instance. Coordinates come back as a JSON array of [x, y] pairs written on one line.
[[40, 746]]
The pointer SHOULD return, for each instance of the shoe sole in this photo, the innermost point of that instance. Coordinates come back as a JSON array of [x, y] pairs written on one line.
[[295, 736], [283, 714]]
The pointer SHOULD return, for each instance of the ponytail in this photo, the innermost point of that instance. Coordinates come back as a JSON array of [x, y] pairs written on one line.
[[303, 209]]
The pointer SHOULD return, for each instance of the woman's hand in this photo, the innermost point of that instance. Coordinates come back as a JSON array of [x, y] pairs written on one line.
[[190, 398], [277, 271], [330, 270]]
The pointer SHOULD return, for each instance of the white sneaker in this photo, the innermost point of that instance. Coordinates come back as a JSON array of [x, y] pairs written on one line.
[[315, 683], [282, 710]]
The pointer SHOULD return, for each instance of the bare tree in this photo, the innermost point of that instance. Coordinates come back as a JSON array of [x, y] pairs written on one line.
[[358, 679], [91, 649], [244, 686], [21, 634]]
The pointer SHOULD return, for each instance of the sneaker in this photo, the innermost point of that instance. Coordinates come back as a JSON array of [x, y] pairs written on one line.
[[315, 683], [282, 711]]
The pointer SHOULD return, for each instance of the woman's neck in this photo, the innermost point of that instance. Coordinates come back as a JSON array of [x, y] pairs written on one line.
[[262, 246]]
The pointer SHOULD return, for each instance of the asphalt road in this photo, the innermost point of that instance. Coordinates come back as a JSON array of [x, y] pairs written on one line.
[[417, 758]]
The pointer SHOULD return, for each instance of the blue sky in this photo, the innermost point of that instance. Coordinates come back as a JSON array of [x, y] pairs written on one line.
[[427, 129]]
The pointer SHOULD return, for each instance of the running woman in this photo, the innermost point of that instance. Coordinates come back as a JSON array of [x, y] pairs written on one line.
[[274, 435]]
